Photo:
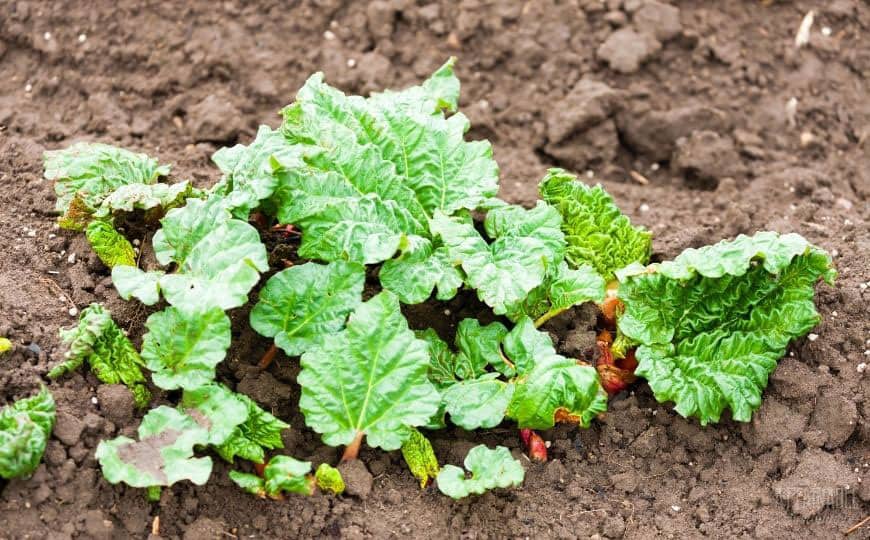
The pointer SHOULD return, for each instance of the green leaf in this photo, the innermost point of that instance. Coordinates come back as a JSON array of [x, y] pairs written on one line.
[[478, 403], [284, 474], [420, 269], [216, 408], [249, 174], [99, 341], [596, 231], [329, 479], [505, 271], [219, 259], [420, 457], [133, 282], [549, 384], [442, 361], [489, 469], [77, 216], [713, 322], [130, 197], [110, 245], [5, 345], [259, 432], [183, 348], [302, 306], [479, 347], [162, 456], [25, 427], [563, 288], [94, 170], [370, 378], [251, 483]]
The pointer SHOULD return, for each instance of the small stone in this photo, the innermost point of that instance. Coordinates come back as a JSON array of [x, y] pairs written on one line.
[[357, 478], [116, 403], [625, 50], [659, 19], [68, 429]]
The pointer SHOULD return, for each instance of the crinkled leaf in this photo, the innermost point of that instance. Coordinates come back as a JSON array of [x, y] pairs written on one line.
[[420, 269], [420, 457], [182, 348], [549, 383], [25, 427], [77, 216], [110, 246], [250, 483], [596, 230], [93, 170], [302, 306], [216, 408], [219, 259], [489, 469], [505, 271], [478, 403], [146, 197], [478, 347], [442, 361], [370, 378], [283, 474], [259, 432], [329, 479], [563, 288], [248, 172], [713, 322], [133, 282], [99, 341], [163, 454]]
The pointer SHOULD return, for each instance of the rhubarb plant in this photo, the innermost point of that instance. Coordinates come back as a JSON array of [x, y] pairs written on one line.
[[25, 427], [377, 204]]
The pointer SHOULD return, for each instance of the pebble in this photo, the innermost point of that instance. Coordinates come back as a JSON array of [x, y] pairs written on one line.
[[82, 38], [812, 337], [73, 311], [71, 259]]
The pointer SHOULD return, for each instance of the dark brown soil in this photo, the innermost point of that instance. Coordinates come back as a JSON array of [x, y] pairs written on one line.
[[692, 98]]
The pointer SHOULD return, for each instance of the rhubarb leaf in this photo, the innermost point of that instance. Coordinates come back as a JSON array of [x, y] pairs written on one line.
[[479, 347], [370, 378], [216, 408], [163, 454], [713, 322], [283, 474], [133, 282], [182, 348], [489, 469], [25, 427], [549, 387], [99, 341], [219, 259], [420, 457], [251, 483], [420, 269], [249, 176], [94, 170], [478, 403], [328, 478], [110, 245], [259, 432], [302, 306], [130, 197], [563, 288], [526, 243], [596, 231]]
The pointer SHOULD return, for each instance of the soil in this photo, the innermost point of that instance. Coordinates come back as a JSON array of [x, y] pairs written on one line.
[[682, 112]]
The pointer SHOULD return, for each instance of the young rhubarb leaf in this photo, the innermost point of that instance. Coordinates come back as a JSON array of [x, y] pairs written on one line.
[[563, 288], [163, 454], [130, 197], [478, 348], [219, 259], [5, 345], [249, 176], [713, 322], [183, 348], [100, 342], [420, 457], [526, 243], [282, 474], [596, 231], [478, 403], [489, 469], [368, 379], [133, 282], [25, 427], [420, 269], [216, 408], [249, 440], [302, 306], [250, 483], [110, 245], [93, 171], [329, 479]]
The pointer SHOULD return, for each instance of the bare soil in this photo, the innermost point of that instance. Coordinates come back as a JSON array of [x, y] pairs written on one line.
[[680, 111]]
